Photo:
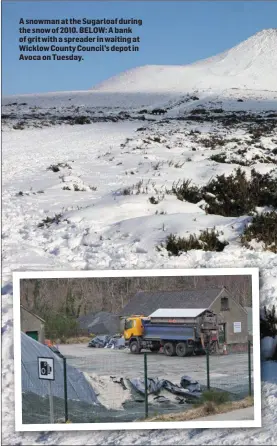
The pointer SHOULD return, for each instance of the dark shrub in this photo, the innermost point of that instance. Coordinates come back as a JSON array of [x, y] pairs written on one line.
[[213, 142], [207, 241], [176, 245], [56, 167], [82, 120], [126, 191], [211, 242], [263, 228], [153, 200], [185, 191], [156, 139], [158, 111], [50, 220], [219, 158], [19, 126], [263, 189], [198, 111], [268, 324], [235, 195]]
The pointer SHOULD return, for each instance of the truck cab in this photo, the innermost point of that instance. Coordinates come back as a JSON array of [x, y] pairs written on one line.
[[133, 327]]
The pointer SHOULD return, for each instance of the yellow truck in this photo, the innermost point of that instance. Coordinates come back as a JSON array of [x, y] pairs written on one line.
[[174, 335]]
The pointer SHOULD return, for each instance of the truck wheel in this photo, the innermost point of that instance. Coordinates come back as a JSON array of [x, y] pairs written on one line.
[[182, 349], [134, 347], [155, 348], [169, 349]]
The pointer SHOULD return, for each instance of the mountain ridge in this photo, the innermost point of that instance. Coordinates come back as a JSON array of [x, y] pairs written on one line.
[[242, 66]]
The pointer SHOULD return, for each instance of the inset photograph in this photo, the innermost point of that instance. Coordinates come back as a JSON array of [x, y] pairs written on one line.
[[131, 349]]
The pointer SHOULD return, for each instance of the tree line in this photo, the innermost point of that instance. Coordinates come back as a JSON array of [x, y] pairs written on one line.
[[60, 302]]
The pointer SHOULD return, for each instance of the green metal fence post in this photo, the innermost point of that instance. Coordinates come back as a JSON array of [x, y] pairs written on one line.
[[249, 368], [145, 385], [65, 390], [208, 367]]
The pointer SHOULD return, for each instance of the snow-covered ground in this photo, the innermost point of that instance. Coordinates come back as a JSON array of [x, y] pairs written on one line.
[[77, 197]]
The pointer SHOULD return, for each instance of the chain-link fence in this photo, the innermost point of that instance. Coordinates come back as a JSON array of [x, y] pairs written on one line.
[[110, 385], [231, 372]]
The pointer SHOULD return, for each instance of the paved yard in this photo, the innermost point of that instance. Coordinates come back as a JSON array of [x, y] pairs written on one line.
[[228, 372], [239, 415]]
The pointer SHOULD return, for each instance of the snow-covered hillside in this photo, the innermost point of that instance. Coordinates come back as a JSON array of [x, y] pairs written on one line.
[[252, 64], [102, 195]]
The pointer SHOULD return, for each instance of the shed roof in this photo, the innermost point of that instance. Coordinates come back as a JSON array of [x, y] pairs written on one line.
[[33, 314], [146, 302], [177, 312]]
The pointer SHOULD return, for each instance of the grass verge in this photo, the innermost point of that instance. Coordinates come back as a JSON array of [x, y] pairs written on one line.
[[208, 408], [74, 340]]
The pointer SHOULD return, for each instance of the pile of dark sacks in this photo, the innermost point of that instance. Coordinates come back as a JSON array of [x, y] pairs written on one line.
[[107, 341]]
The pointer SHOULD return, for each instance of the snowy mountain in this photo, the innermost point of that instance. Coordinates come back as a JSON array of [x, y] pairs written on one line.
[[252, 64]]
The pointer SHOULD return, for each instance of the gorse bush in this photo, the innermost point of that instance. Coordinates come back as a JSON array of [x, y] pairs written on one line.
[[82, 120], [231, 196], [263, 228], [211, 241], [268, 324], [207, 241], [19, 125], [219, 157], [50, 220], [186, 191], [57, 167], [154, 200], [213, 141], [235, 195], [228, 196], [176, 245], [75, 188], [222, 158]]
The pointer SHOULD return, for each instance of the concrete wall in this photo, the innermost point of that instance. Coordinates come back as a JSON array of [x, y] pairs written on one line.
[[235, 313], [29, 322]]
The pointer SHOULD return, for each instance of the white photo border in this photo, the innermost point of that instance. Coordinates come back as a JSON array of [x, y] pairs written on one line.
[[257, 422]]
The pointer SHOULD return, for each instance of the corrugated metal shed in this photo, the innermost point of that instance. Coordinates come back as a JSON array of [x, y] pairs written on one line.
[[178, 312]]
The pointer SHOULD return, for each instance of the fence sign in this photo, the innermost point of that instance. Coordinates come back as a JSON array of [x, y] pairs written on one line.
[[46, 371], [46, 368], [237, 327]]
